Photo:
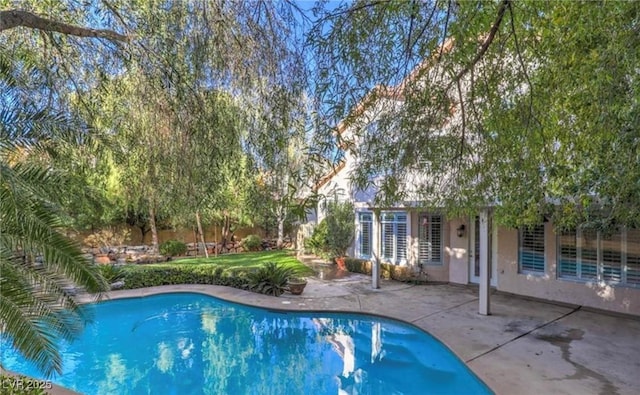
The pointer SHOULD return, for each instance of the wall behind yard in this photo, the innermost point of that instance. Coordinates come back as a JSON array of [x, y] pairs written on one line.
[[619, 299], [212, 234]]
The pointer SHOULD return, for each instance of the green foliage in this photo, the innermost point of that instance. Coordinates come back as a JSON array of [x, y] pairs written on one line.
[[549, 129], [229, 270], [22, 385], [341, 227], [355, 265], [387, 271], [252, 243], [317, 243], [35, 310], [270, 279], [112, 273], [335, 233], [173, 248], [141, 276], [248, 260]]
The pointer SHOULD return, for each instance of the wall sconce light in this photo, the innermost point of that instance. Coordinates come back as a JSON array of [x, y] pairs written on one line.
[[461, 230]]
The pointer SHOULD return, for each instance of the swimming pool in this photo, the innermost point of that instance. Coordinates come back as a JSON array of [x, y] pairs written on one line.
[[188, 343]]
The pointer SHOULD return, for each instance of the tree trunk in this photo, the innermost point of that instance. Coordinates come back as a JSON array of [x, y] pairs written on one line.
[[280, 218], [226, 226], [215, 240], [195, 239], [154, 229], [143, 231], [280, 240], [204, 245]]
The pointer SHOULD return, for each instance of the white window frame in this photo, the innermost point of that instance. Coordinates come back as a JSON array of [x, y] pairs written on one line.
[[439, 260], [521, 235], [601, 275], [360, 234], [391, 218]]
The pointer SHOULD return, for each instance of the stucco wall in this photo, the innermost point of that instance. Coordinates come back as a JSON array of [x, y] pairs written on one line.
[[548, 286]]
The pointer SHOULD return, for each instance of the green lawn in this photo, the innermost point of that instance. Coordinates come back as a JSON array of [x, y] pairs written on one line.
[[227, 269], [247, 260]]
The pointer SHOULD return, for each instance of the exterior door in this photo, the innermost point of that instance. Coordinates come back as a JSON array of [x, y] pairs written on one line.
[[474, 252]]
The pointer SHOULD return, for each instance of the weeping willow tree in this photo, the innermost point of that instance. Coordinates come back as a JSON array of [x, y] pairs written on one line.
[[527, 106], [146, 92]]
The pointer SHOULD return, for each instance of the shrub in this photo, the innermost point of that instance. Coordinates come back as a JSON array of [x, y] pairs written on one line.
[[317, 243], [358, 265], [153, 275], [173, 248], [341, 228], [387, 271], [112, 273], [270, 279], [252, 243]]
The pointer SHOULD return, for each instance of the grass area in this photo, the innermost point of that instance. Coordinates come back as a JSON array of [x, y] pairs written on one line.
[[246, 260], [235, 270]]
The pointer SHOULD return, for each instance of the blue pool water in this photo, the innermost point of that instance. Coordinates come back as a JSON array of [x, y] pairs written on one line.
[[188, 343]]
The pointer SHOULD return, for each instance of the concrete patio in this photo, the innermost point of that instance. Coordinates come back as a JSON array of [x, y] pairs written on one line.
[[524, 347]]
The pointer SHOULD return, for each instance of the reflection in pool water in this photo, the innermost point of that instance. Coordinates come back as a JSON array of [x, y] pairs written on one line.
[[194, 344]]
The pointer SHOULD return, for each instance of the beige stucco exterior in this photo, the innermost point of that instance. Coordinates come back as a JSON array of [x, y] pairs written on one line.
[[622, 299], [456, 268]]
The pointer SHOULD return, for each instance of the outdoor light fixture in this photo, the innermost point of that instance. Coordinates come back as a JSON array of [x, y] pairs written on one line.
[[461, 230]]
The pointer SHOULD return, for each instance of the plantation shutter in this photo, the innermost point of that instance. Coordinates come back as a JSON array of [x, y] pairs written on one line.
[[612, 257], [401, 237], [430, 239], [532, 249], [589, 250], [365, 234], [387, 240], [568, 249], [633, 257], [436, 239]]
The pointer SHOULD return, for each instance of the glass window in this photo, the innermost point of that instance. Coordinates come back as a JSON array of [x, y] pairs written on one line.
[[365, 220], [632, 264], [568, 253], [430, 239], [394, 237], [531, 251], [612, 257]]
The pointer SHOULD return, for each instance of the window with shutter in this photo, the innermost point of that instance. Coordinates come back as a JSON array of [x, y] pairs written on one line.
[[633, 257], [394, 237], [365, 220], [611, 257], [589, 254], [430, 239], [568, 254], [531, 251], [611, 245]]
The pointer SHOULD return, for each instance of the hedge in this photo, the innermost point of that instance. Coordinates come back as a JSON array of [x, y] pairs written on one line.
[[153, 275], [387, 270]]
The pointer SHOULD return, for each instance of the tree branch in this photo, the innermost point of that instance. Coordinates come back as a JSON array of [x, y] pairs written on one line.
[[10, 19], [485, 45]]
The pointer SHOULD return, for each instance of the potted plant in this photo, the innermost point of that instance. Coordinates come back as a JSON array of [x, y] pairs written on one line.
[[296, 285]]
